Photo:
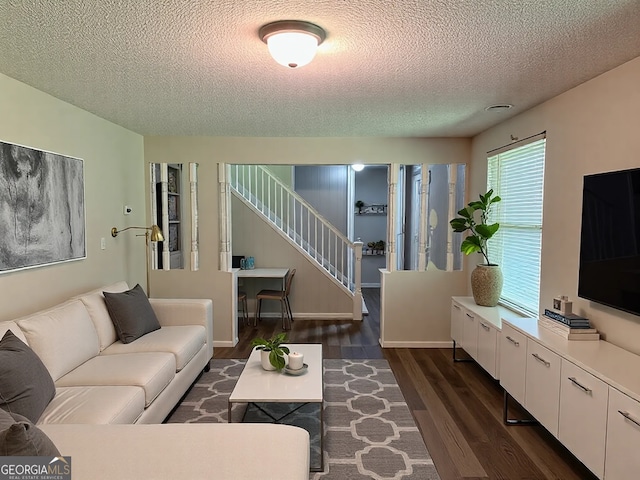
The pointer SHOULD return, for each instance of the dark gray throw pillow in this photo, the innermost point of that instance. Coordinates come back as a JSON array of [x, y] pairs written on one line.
[[21, 438], [26, 386], [131, 313]]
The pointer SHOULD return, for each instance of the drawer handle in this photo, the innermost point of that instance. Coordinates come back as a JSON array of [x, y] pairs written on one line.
[[579, 385], [470, 316], [515, 342], [541, 360], [456, 307], [629, 417], [485, 326]]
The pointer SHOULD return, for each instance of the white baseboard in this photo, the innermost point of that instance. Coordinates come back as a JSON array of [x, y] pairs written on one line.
[[427, 344], [223, 343]]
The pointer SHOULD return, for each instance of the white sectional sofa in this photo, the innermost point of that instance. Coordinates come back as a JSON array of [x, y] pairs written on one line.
[[104, 386], [99, 379]]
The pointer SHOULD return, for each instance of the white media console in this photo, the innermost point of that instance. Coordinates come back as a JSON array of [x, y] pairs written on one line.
[[586, 393]]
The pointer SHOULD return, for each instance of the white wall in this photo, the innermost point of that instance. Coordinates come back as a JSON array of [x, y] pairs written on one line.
[[113, 159], [591, 128]]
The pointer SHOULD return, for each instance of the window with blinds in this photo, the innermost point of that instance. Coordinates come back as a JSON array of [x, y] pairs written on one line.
[[516, 174]]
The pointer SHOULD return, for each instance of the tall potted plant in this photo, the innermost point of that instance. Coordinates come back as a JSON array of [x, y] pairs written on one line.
[[486, 278]]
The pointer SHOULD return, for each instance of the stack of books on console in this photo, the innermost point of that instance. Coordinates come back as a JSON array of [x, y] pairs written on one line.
[[569, 326]]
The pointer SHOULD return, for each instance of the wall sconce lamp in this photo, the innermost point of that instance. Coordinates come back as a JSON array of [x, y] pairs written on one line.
[[152, 233], [292, 43]]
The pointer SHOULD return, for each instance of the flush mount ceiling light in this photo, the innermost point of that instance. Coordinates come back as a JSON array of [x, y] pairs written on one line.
[[358, 167], [292, 43]]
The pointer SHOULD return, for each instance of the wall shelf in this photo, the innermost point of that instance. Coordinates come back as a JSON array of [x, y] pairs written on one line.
[[375, 209]]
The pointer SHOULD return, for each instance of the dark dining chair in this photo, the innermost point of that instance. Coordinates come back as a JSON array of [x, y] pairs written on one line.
[[282, 296]]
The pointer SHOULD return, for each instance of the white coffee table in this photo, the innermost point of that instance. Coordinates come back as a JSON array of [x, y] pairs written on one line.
[[256, 385]]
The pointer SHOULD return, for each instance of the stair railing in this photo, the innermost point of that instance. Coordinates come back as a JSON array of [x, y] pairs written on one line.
[[303, 225]]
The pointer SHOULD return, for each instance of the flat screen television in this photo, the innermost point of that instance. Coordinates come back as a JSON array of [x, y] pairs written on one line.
[[610, 240]]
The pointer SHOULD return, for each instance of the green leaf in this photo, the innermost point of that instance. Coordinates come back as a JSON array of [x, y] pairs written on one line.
[[459, 224], [465, 213], [285, 350], [281, 337], [470, 245], [487, 231], [493, 228], [276, 360], [476, 205], [258, 342]]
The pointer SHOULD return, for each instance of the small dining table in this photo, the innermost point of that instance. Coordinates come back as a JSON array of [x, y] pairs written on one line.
[[265, 273], [280, 273]]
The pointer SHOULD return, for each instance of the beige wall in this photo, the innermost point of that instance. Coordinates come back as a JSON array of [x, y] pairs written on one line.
[[591, 128], [416, 307], [310, 288], [113, 177], [208, 151]]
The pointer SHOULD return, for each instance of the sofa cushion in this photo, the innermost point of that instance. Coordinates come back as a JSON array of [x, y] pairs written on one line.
[[94, 303], [131, 313], [21, 438], [26, 386], [150, 371], [13, 326], [63, 337], [94, 405], [183, 342]]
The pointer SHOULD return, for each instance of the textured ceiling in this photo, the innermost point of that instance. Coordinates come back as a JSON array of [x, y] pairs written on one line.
[[387, 68]]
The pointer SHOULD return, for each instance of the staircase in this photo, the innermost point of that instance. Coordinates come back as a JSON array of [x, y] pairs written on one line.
[[302, 226]]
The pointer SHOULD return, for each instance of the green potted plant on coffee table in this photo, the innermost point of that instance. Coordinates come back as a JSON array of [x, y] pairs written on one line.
[[272, 351], [486, 279]]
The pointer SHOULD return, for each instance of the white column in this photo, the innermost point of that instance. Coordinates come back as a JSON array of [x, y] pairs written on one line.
[[154, 216], [224, 207], [394, 172], [193, 187], [423, 236], [164, 177], [357, 294], [453, 180]]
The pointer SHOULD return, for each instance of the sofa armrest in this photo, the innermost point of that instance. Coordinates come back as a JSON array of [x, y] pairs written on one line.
[[186, 311]]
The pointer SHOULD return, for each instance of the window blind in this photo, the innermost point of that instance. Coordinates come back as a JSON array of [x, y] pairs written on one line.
[[517, 176]]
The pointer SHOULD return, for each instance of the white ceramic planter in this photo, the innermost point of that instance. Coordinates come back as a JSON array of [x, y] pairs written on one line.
[[264, 360]]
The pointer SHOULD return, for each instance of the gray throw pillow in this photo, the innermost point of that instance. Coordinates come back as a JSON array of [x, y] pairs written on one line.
[[21, 438], [131, 313], [26, 386]]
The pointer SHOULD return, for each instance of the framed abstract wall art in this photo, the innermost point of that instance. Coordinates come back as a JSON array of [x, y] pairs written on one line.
[[42, 209]]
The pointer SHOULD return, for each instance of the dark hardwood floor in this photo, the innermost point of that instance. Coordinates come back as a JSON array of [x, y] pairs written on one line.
[[457, 406]]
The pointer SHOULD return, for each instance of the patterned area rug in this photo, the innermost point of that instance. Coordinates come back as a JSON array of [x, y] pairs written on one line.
[[369, 431]]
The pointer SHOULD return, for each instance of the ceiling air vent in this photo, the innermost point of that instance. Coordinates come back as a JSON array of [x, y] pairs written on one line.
[[501, 107]]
